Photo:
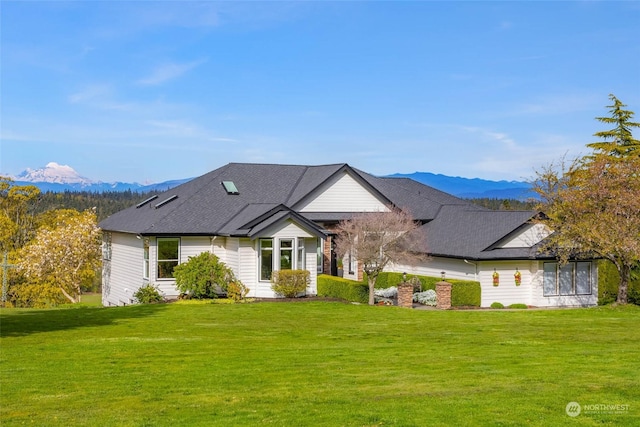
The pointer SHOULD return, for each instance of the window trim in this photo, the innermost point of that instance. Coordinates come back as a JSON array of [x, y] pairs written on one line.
[[158, 260], [301, 261], [574, 276], [260, 258], [146, 261]]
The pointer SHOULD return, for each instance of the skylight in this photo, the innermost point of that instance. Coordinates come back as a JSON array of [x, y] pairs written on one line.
[[230, 187], [144, 202], [164, 202]]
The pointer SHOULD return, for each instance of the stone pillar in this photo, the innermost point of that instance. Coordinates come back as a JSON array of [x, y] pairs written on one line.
[[326, 256], [405, 295], [443, 295]]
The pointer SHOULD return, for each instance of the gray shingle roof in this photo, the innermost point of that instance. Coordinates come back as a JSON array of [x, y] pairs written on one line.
[[267, 194], [469, 232]]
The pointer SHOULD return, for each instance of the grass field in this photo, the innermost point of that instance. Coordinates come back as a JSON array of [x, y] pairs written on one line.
[[318, 363]]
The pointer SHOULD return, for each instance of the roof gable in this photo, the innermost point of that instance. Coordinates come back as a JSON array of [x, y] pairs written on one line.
[[344, 191]]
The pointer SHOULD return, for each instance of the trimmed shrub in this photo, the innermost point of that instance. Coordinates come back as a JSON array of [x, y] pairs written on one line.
[[148, 294], [609, 280], [203, 276], [465, 293], [519, 306], [345, 289], [497, 305], [237, 291], [388, 279], [290, 283]]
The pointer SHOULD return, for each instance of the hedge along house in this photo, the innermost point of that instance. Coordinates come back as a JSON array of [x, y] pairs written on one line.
[[258, 218]]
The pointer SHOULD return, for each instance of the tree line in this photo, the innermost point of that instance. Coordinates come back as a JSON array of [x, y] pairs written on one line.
[[105, 203]]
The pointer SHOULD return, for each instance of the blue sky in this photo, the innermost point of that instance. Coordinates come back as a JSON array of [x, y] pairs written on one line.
[[151, 91]]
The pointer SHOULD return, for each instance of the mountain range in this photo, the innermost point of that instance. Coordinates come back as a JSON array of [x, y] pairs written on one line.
[[59, 178]]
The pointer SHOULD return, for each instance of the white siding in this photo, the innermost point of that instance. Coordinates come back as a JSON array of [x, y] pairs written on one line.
[[529, 236], [453, 268], [122, 275], [506, 292], [248, 265], [342, 194], [231, 257]]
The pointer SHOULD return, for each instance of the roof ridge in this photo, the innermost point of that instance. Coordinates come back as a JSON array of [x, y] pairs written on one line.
[[295, 186]]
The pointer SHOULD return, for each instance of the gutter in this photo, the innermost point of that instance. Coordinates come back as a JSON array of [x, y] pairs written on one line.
[[475, 270]]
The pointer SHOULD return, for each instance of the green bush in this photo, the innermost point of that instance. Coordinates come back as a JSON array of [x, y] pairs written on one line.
[[497, 305], [148, 294], [237, 291], [290, 283], [518, 306], [337, 287], [388, 279], [203, 276], [465, 293], [608, 281]]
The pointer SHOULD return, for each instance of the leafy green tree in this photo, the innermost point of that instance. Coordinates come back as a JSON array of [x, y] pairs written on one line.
[[16, 214], [65, 253], [593, 204], [203, 276]]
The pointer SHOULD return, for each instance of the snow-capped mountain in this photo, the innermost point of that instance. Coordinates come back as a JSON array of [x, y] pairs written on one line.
[[54, 173], [59, 178]]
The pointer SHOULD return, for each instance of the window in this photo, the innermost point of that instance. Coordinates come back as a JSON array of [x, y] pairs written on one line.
[[300, 255], [574, 278], [168, 256], [353, 263], [266, 259], [145, 265], [550, 280], [286, 254], [583, 278], [319, 255]]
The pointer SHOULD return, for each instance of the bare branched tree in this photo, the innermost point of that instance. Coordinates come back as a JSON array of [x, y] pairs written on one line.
[[380, 239]]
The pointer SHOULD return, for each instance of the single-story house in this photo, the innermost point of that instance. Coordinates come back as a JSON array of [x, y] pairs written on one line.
[[258, 218]]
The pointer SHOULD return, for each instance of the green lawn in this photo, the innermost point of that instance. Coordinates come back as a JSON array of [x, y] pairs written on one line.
[[317, 363]]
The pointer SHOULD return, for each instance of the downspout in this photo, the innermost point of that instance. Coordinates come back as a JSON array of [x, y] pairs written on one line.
[[475, 269]]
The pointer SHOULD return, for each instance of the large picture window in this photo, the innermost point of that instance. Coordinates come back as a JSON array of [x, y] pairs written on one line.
[[168, 256], [573, 278], [281, 254]]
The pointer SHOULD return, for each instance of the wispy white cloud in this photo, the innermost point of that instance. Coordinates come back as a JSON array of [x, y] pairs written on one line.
[[99, 96], [169, 71]]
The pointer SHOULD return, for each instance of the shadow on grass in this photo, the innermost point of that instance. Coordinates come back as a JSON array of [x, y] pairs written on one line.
[[15, 323]]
